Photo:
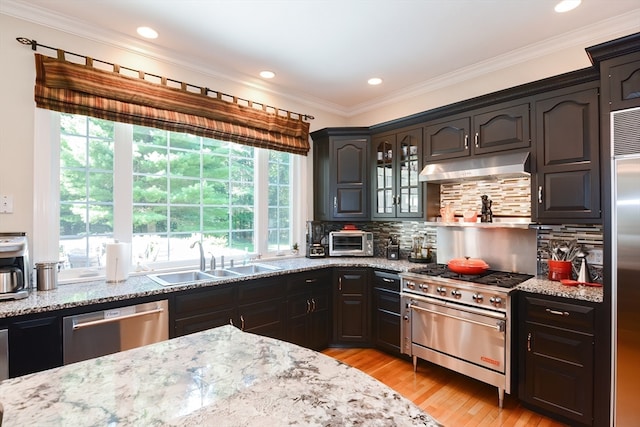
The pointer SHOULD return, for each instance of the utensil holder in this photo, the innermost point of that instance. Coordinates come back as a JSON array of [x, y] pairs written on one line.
[[559, 270], [47, 275]]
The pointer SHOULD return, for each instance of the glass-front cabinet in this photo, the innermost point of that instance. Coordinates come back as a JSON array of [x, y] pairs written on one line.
[[397, 192]]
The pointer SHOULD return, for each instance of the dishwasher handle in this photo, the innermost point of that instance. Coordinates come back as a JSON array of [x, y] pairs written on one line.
[[81, 325]]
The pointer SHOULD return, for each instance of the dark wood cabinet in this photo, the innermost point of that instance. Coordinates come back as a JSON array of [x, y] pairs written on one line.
[[309, 309], [386, 311], [487, 130], [396, 164], [622, 79], [35, 344], [567, 180], [201, 309], [557, 352], [341, 174], [351, 306], [262, 307]]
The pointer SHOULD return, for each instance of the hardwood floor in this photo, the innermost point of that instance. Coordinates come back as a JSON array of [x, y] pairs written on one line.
[[455, 400]]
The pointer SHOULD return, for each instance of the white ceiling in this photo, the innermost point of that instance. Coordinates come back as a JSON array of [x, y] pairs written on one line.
[[323, 51]]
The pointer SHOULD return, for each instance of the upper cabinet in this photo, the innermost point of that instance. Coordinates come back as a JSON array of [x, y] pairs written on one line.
[[487, 130], [396, 190], [566, 187], [341, 171], [624, 82]]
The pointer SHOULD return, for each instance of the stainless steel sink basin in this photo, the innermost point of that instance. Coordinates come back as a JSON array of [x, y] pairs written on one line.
[[227, 272], [253, 268], [180, 277]]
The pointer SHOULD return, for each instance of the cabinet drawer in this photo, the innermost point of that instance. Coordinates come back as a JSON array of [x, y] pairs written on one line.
[[306, 282], [261, 290], [387, 301], [384, 280], [203, 301], [559, 314], [571, 347]]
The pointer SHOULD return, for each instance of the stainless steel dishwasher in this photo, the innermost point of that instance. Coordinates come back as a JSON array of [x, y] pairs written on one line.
[[99, 333]]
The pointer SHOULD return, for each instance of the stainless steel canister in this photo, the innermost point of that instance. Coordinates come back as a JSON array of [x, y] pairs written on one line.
[[47, 275]]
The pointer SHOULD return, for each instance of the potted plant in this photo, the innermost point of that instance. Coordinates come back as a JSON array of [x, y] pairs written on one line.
[[295, 248]]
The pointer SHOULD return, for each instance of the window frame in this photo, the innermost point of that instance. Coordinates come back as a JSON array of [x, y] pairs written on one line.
[[46, 220]]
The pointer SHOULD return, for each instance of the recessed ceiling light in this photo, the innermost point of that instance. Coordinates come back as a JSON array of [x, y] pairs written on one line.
[[147, 32], [374, 81], [266, 74], [567, 5]]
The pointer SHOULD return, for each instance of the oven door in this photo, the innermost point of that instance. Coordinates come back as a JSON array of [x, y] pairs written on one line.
[[471, 334]]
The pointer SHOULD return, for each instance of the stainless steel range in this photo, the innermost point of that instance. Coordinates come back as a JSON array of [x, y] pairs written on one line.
[[461, 322]]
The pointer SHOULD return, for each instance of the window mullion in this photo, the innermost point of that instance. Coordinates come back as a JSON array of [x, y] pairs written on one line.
[[123, 182], [261, 201]]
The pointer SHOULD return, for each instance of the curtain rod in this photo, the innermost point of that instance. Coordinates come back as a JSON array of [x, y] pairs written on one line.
[[35, 45]]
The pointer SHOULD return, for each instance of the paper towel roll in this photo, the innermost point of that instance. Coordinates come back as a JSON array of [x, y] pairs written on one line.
[[118, 261]]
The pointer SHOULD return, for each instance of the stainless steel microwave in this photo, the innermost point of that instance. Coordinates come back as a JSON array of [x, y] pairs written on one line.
[[350, 243]]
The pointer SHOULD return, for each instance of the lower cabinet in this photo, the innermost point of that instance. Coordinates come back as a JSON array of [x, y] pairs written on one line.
[[262, 307], [309, 309], [386, 311], [557, 353], [35, 344], [201, 309], [351, 306]]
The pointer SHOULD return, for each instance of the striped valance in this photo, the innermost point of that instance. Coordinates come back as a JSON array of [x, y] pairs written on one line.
[[83, 89]]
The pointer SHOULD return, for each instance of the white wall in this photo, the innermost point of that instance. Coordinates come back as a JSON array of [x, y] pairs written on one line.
[[17, 106]]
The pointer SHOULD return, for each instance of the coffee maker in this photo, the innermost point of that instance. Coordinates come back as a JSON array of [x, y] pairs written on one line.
[[15, 268], [316, 240]]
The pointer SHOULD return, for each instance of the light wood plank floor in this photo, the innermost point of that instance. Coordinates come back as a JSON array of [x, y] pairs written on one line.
[[453, 399]]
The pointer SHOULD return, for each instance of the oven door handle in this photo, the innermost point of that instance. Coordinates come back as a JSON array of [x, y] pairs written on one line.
[[499, 326]]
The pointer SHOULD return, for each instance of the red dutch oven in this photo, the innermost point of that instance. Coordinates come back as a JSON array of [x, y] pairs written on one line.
[[467, 265]]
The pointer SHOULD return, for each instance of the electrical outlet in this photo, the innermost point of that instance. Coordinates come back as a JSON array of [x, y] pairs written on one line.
[[6, 203], [595, 257]]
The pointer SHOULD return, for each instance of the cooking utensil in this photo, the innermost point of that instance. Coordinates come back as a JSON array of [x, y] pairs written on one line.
[[467, 265]]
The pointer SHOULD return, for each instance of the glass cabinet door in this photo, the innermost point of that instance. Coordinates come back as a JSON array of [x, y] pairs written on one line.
[[384, 197], [408, 197]]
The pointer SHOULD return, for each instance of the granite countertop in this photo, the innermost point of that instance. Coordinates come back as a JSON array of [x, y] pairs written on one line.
[[541, 285], [222, 377], [98, 291]]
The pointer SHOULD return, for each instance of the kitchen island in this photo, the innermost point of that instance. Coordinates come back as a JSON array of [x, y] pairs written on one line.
[[221, 377]]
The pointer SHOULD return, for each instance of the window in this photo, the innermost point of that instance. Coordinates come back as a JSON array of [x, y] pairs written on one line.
[[162, 191]]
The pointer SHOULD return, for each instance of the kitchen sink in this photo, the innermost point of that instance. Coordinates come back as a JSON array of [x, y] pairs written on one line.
[[181, 277], [253, 269]]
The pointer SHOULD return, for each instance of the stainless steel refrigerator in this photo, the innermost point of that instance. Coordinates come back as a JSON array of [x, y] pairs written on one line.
[[625, 258]]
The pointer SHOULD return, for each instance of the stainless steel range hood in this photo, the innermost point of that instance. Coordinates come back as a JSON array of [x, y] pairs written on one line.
[[497, 166]]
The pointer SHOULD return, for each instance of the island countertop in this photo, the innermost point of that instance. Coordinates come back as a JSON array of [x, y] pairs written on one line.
[[221, 377]]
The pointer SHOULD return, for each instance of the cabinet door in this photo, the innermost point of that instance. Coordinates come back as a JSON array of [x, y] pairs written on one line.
[[309, 310], [408, 187], [349, 166], [352, 306], [383, 184], [35, 344], [568, 175], [386, 320], [446, 140], [559, 372], [624, 82], [502, 129], [262, 307]]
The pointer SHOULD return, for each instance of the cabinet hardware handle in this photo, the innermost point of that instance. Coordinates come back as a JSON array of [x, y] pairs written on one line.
[[398, 200], [242, 322], [556, 312], [340, 283], [81, 325], [529, 342], [231, 321], [384, 279], [311, 280], [313, 304], [335, 202], [308, 307], [466, 142], [476, 140], [540, 194]]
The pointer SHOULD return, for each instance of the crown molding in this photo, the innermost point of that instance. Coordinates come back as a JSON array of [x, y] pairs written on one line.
[[578, 39]]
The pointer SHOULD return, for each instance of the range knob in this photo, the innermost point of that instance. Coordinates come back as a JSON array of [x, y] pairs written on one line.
[[441, 290], [456, 293], [497, 301], [477, 297], [423, 287], [410, 285]]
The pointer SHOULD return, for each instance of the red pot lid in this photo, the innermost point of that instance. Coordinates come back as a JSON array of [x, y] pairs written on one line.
[[468, 262]]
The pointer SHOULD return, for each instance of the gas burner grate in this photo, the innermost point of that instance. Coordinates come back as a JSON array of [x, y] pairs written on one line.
[[490, 277]]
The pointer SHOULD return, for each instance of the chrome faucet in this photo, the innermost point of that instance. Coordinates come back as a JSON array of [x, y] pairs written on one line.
[[213, 262], [202, 261]]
